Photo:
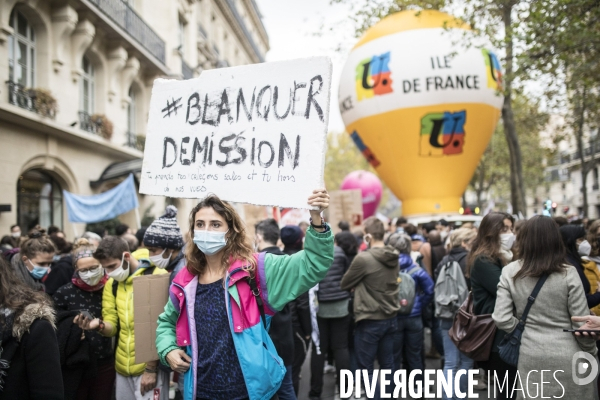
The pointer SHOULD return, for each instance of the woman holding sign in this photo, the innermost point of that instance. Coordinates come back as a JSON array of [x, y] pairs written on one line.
[[213, 328]]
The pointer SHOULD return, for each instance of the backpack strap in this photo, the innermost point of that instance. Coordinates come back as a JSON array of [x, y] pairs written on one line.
[[256, 293], [531, 298], [413, 270]]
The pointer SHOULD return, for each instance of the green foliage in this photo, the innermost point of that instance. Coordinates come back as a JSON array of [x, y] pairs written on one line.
[[368, 12], [342, 157], [493, 172]]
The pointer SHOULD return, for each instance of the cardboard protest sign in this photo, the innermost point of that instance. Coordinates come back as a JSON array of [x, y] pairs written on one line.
[[150, 294], [345, 205], [252, 134]]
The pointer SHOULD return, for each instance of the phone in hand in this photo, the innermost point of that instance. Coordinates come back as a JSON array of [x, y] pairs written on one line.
[[592, 331], [87, 314]]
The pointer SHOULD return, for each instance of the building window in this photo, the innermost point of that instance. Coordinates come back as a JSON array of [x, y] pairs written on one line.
[[39, 200], [21, 51], [87, 86]]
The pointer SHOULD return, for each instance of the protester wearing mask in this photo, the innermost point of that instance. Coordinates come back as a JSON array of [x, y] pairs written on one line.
[[134, 381], [164, 242], [374, 277], [30, 368], [222, 347], [95, 378], [543, 344], [15, 235], [490, 252], [32, 264], [574, 239]]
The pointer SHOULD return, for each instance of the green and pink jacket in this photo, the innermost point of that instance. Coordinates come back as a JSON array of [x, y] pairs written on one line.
[[280, 279]]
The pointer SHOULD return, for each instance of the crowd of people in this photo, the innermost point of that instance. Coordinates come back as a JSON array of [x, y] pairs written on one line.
[[244, 315]]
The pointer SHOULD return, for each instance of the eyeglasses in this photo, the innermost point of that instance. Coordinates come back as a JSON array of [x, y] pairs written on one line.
[[92, 268]]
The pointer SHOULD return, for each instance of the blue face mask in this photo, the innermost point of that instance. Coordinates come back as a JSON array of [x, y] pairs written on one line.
[[38, 272], [210, 242]]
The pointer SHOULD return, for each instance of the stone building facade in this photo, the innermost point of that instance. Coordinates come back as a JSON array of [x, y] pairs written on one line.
[[76, 81]]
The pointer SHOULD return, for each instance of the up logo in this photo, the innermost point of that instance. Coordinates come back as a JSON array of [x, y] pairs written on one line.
[[493, 70], [373, 77], [584, 368], [442, 134]]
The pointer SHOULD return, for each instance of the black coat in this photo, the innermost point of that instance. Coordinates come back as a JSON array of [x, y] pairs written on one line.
[[329, 287], [281, 331], [485, 276], [300, 307], [60, 274], [76, 358], [34, 371]]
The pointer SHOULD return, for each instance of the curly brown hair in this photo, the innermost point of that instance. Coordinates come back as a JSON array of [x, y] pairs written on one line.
[[237, 247], [14, 294]]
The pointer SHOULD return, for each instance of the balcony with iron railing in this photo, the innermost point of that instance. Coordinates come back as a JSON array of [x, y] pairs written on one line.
[[88, 124], [135, 141], [125, 17], [36, 100]]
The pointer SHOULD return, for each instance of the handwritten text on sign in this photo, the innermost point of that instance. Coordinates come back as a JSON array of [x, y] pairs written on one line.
[[253, 134]]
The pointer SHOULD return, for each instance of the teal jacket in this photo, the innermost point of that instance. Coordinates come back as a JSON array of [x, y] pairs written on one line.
[[281, 279]]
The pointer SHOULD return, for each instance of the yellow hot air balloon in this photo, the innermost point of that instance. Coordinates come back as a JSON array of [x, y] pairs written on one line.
[[421, 105]]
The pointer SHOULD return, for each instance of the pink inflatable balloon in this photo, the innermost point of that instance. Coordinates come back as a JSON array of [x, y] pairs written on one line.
[[371, 189]]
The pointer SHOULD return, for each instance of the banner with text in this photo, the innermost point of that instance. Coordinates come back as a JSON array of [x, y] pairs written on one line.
[[252, 134]]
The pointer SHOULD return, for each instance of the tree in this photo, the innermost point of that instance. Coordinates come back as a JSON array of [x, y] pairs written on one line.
[[342, 157], [493, 172], [563, 43]]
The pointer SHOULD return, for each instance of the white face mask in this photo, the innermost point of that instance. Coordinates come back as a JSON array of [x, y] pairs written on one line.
[[16, 235], [92, 277], [119, 274], [507, 240], [584, 249], [161, 262]]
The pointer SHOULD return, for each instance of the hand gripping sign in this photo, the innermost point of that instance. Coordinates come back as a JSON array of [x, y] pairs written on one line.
[[252, 134]]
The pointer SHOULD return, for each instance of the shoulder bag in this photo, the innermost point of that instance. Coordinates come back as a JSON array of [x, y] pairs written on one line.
[[473, 334], [509, 347]]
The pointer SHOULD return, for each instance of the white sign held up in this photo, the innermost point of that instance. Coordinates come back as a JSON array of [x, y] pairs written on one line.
[[252, 134]]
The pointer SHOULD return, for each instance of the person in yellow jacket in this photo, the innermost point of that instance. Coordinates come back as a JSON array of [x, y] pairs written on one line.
[[590, 269], [134, 381]]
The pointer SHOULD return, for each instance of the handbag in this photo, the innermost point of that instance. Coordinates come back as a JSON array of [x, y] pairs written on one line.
[[473, 334], [509, 347]]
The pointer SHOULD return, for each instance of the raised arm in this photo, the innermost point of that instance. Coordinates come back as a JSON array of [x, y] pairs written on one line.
[[287, 277], [284, 278]]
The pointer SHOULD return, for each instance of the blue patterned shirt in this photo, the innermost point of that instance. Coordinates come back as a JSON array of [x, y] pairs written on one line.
[[219, 375]]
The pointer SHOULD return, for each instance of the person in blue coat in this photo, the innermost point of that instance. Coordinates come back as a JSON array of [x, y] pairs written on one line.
[[409, 335]]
